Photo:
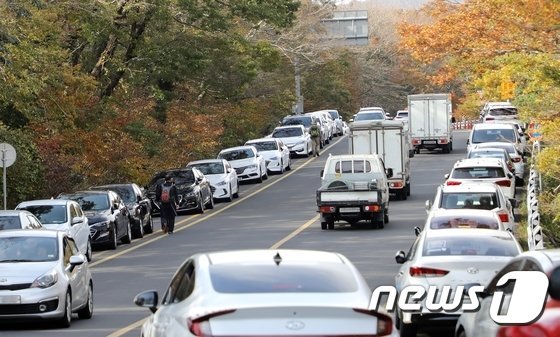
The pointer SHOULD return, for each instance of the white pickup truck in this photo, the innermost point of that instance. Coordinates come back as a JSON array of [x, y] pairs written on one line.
[[354, 188]]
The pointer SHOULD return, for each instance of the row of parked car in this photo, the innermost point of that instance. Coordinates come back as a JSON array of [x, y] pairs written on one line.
[[468, 238]]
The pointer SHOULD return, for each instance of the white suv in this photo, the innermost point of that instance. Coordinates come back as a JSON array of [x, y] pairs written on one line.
[[494, 132], [496, 111], [490, 170]]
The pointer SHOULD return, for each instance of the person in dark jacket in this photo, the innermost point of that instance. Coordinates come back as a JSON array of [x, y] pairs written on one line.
[[167, 196]]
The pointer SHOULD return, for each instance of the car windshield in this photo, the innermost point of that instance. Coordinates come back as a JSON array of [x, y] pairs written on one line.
[[10, 222], [237, 154], [184, 176], [28, 249], [48, 214], [288, 132], [463, 221], [503, 111], [90, 202], [369, 116], [303, 120], [477, 172], [334, 114], [493, 135], [210, 168], [126, 193], [470, 245], [265, 146], [402, 114], [248, 278], [469, 200]]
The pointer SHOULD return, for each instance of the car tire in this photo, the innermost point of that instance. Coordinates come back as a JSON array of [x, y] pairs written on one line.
[[386, 216], [139, 230], [265, 176], [408, 189], [230, 196], [259, 179], [330, 224], [210, 203], [89, 250], [113, 244], [324, 225], [127, 238], [281, 167], [236, 194], [87, 311], [289, 167], [149, 227], [199, 205], [462, 334], [66, 319]]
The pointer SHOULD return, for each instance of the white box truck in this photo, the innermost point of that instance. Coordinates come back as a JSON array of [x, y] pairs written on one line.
[[429, 118], [390, 140]]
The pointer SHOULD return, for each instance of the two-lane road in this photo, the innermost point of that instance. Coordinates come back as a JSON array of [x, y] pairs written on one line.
[[279, 213]]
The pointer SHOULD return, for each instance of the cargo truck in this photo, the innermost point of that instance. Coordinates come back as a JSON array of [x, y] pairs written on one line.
[[429, 119]]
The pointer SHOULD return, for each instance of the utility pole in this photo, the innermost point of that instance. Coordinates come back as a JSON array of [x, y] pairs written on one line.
[[298, 107]]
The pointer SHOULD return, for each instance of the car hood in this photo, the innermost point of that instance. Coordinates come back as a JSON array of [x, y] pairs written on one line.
[[243, 162], [65, 227], [24, 272], [216, 178], [292, 140], [270, 154], [97, 216]]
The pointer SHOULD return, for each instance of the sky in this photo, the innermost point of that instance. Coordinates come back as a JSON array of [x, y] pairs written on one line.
[[394, 3]]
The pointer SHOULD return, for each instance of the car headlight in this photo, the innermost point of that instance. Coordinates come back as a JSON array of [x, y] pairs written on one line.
[[253, 167], [189, 195], [221, 183], [45, 280]]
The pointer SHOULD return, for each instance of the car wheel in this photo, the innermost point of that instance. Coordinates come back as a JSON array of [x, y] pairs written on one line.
[[210, 203], [139, 231], [306, 151], [289, 167], [236, 194], [149, 227], [462, 334], [259, 179], [330, 224], [89, 251], [281, 167], [265, 175], [66, 319], [113, 243], [230, 196], [127, 238], [408, 189], [386, 216], [323, 225], [87, 311]]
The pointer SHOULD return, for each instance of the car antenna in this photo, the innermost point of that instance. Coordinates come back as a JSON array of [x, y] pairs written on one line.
[[277, 258]]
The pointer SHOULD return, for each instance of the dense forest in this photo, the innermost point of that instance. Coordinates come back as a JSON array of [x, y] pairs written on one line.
[[99, 91]]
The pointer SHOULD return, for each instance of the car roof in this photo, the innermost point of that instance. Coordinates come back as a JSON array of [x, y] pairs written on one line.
[[489, 126], [476, 162], [12, 212], [261, 140], [481, 187], [299, 126], [354, 157], [33, 233], [472, 232], [40, 202], [266, 256], [237, 148], [204, 161], [103, 192]]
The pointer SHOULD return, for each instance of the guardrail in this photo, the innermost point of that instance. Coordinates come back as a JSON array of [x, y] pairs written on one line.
[[463, 125], [535, 237]]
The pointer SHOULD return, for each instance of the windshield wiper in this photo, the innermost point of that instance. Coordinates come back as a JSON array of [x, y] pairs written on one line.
[[17, 260]]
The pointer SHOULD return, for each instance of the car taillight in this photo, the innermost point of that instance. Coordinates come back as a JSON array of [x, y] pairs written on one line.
[[200, 326], [443, 141], [372, 208], [505, 183], [327, 209], [503, 217], [384, 322], [428, 272], [395, 184], [516, 159], [452, 183], [415, 141]]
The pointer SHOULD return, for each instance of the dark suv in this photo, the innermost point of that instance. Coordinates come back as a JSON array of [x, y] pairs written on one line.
[[195, 193], [138, 204]]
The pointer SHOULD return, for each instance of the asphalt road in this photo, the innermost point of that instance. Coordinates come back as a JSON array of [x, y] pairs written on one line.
[[279, 213]]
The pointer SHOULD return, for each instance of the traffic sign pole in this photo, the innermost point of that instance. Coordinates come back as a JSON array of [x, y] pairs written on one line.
[[8, 158]]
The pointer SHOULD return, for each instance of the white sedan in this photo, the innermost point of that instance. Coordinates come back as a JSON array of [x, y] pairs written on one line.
[[516, 157], [451, 257], [275, 153], [222, 177], [247, 162], [265, 293], [296, 139]]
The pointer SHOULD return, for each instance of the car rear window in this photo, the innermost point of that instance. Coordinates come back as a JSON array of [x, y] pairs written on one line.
[[463, 221], [10, 222], [494, 135], [503, 111], [469, 200], [258, 278], [369, 116], [469, 245], [478, 172]]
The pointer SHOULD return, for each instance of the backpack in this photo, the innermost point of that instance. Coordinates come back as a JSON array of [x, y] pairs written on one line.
[[165, 193], [314, 131]]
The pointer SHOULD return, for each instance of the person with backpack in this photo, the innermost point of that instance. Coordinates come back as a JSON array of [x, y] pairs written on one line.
[[315, 134], [167, 196]]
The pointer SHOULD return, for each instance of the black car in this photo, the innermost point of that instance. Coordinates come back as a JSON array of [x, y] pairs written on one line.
[[107, 216], [195, 192], [138, 204]]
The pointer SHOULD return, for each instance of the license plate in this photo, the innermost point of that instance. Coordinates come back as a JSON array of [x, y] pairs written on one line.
[[10, 299], [349, 210], [429, 142]]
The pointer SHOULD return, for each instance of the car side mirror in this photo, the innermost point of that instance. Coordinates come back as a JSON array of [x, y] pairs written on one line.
[[428, 206], [554, 284], [138, 198], [446, 176], [147, 299], [513, 202], [417, 230], [322, 171], [509, 175], [229, 170], [468, 142], [351, 120], [400, 257], [76, 260], [76, 220], [389, 172]]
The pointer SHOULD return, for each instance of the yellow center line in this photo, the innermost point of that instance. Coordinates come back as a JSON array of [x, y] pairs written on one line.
[[290, 236]]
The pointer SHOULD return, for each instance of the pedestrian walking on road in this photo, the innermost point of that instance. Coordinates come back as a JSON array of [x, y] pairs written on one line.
[[166, 195], [315, 134]]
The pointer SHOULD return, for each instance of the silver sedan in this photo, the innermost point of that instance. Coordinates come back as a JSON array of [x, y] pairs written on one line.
[[265, 293], [44, 276]]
